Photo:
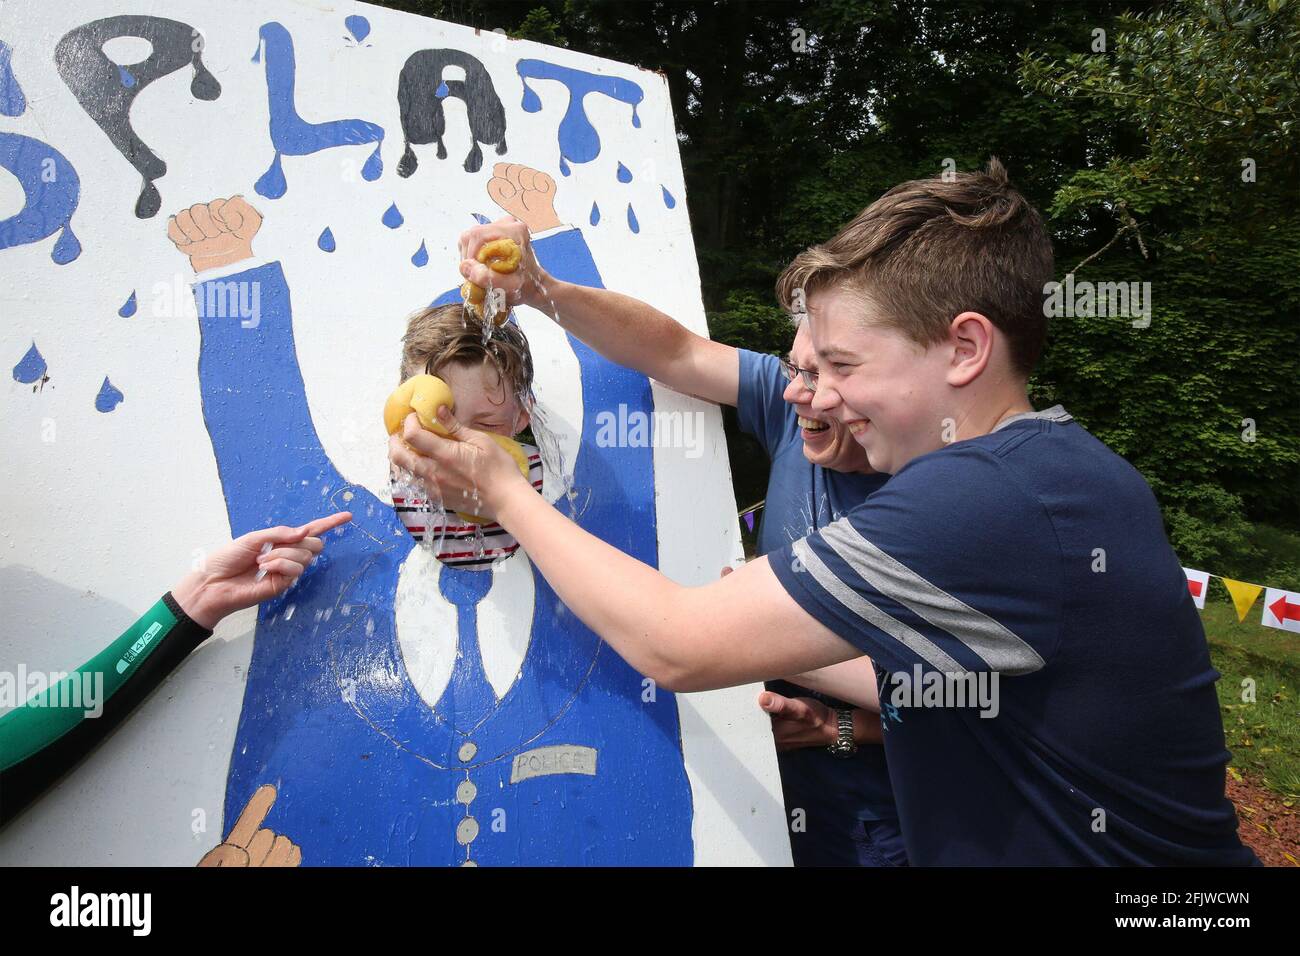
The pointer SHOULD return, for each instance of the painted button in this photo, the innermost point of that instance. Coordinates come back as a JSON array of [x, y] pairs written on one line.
[[467, 752], [466, 792], [466, 831]]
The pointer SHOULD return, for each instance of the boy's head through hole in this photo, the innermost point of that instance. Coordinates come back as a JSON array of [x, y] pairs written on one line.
[[491, 382]]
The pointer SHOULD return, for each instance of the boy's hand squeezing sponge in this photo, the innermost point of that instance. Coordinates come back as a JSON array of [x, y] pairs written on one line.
[[499, 255], [423, 394]]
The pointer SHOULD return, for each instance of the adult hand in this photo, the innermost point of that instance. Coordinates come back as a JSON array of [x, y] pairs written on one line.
[[799, 721], [527, 285], [228, 581], [467, 471]]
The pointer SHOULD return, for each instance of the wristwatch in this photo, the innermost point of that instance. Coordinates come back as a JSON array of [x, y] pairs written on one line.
[[845, 745]]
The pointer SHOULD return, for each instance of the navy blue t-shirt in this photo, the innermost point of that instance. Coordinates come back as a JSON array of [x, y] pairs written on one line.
[[1047, 694], [836, 793]]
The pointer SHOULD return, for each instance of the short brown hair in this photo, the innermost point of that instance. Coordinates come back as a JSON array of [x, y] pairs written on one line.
[[930, 249], [447, 334]]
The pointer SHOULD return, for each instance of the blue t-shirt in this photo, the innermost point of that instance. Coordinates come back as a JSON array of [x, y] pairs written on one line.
[[836, 793], [1049, 697]]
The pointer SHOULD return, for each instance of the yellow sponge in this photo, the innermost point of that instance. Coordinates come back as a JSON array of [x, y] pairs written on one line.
[[423, 394]]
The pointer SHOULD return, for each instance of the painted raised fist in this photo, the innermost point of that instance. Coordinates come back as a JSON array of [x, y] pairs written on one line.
[[215, 233]]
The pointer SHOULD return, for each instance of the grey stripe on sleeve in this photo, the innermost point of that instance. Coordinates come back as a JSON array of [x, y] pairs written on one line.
[[913, 640], [997, 646]]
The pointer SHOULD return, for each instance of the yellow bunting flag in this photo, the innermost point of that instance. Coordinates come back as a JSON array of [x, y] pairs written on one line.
[[1243, 595]]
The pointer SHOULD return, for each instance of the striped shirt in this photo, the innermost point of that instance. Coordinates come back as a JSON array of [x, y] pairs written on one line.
[[455, 540]]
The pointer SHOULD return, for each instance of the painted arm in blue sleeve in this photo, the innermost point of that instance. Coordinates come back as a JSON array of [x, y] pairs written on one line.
[[269, 457]]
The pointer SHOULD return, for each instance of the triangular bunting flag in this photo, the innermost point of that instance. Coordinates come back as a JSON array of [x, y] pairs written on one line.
[[749, 520], [1198, 582], [1243, 595]]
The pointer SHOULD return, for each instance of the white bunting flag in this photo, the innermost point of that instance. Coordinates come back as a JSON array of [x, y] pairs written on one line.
[[1282, 609], [1198, 582]]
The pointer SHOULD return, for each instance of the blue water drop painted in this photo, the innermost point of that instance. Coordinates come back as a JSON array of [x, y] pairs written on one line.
[[67, 248], [532, 102], [125, 76], [374, 166], [326, 241], [128, 307], [31, 368], [624, 174], [669, 201], [631, 219], [482, 219], [564, 167], [358, 26], [393, 218], [108, 398], [12, 100], [421, 257], [595, 214], [272, 184], [442, 92], [636, 120]]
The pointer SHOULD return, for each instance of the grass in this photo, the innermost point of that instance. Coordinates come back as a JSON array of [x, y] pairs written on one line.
[[1263, 734]]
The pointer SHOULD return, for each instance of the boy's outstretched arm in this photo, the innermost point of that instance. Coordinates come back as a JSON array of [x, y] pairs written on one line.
[[624, 330]]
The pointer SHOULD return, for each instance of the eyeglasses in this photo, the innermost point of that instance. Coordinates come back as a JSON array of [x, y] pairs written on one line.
[[808, 376]]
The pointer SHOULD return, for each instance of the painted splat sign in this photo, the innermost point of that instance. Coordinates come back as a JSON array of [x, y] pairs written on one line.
[[388, 709]]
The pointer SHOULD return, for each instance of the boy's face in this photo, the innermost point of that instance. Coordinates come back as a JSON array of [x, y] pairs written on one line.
[[482, 401], [825, 441], [888, 391]]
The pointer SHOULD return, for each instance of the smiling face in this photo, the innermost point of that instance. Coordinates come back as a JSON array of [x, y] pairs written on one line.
[[887, 391], [825, 442], [482, 401]]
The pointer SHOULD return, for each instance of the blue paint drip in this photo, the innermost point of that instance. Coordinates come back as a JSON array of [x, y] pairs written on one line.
[[291, 135], [12, 100], [50, 196], [669, 201], [579, 141], [374, 167], [482, 219], [442, 92], [564, 167], [595, 214], [624, 174], [125, 76], [128, 307], [272, 183], [421, 257], [326, 241], [67, 248], [393, 218], [358, 26], [631, 219], [108, 398], [31, 368]]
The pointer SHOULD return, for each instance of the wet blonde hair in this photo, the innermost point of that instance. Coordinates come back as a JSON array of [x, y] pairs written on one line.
[[447, 335]]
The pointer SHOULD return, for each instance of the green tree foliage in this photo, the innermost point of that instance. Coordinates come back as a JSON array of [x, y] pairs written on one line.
[[1204, 207]]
